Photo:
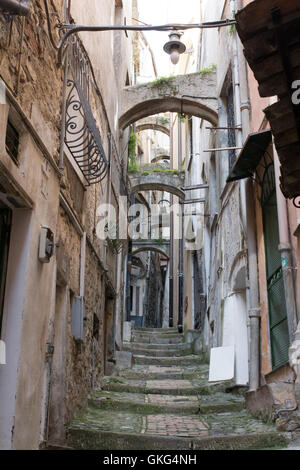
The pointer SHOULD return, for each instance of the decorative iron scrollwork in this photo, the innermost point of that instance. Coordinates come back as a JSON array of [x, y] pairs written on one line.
[[82, 136], [296, 201]]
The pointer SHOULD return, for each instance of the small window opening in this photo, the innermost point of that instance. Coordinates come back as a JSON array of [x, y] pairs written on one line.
[[12, 141]]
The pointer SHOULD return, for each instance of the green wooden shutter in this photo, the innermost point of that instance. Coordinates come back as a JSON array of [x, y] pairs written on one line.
[[279, 334]]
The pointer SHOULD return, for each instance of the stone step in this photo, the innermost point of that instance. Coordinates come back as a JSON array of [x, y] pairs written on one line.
[[145, 403], [164, 404], [156, 330], [157, 339], [149, 372], [163, 387], [142, 350], [167, 361], [153, 346], [135, 387], [98, 429]]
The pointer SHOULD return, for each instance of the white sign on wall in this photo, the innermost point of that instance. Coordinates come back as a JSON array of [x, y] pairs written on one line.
[[2, 353], [221, 366], [2, 92]]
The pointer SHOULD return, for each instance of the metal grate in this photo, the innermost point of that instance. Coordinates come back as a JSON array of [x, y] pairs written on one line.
[[12, 141]]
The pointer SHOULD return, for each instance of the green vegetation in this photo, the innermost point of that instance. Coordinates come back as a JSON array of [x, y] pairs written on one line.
[[181, 117], [164, 120], [132, 145], [210, 68], [135, 168], [165, 82], [132, 165], [231, 30], [160, 240], [162, 80]]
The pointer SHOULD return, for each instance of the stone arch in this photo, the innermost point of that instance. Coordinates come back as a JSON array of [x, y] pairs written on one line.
[[160, 157], [150, 248], [152, 126], [193, 94], [237, 277], [159, 187], [158, 181], [167, 104]]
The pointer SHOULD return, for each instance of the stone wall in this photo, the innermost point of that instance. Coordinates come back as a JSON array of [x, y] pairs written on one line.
[[42, 385]]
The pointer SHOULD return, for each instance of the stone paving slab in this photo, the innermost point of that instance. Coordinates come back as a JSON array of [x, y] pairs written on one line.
[[171, 399], [173, 425], [164, 370], [168, 384]]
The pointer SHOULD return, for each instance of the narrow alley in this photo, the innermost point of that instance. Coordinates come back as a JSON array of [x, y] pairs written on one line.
[[149, 225]]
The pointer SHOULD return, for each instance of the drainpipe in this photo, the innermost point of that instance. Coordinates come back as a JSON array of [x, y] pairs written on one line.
[[82, 264], [129, 263], [285, 249], [63, 115], [171, 261], [247, 210], [16, 7], [180, 280]]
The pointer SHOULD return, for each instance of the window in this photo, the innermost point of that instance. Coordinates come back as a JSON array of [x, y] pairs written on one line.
[[12, 141]]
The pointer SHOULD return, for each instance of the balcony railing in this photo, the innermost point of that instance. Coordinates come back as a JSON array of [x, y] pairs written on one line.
[[82, 136]]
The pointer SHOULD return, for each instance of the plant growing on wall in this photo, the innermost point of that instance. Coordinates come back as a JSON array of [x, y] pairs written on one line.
[[181, 117], [132, 142], [162, 80], [210, 68]]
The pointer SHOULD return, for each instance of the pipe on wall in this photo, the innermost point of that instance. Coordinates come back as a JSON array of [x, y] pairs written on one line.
[[247, 207], [16, 7]]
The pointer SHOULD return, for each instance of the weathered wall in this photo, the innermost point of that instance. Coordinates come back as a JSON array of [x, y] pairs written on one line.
[[38, 296]]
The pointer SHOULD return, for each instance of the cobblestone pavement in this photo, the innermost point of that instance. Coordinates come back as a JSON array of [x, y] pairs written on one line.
[[161, 405]]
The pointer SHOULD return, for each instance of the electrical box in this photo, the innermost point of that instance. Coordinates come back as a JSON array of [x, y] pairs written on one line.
[[46, 248], [77, 318]]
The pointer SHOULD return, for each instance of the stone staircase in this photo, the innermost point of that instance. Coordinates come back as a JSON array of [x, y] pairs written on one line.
[[165, 402]]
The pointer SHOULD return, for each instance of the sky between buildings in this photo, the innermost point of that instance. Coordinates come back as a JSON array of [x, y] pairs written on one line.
[[158, 12]]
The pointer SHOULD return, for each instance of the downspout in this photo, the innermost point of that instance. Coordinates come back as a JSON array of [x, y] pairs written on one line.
[[82, 264], [63, 115], [247, 209], [180, 279], [171, 260]]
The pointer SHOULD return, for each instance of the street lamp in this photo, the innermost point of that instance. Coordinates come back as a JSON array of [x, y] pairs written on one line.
[[174, 47]]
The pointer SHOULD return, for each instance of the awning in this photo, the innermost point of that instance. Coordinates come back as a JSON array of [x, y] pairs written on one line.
[[270, 33], [250, 155]]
